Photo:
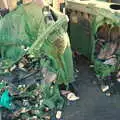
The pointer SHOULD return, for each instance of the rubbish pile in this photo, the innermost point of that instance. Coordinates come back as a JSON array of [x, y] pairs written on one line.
[[28, 95], [31, 96], [35, 59]]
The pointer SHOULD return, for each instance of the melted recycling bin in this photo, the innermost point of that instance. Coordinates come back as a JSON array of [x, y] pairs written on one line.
[[95, 33], [35, 57]]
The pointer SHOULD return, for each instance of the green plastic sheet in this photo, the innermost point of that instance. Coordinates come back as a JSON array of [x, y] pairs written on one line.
[[25, 27]]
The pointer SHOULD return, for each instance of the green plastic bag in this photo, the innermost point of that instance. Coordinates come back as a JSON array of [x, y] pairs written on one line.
[[5, 100]]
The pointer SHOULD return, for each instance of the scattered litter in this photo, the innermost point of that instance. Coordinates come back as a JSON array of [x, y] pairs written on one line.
[[91, 66], [77, 70], [21, 65], [104, 88], [108, 94], [12, 68], [72, 97], [111, 61], [59, 114]]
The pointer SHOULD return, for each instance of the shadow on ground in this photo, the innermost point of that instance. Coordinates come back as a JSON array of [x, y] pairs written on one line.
[[93, 104]]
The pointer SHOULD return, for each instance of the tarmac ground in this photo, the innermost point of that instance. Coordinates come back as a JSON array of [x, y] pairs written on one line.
[[93, 104]]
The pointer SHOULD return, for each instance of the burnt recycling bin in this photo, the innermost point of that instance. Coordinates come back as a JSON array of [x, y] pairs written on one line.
[[85, 18], [94, 29]]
